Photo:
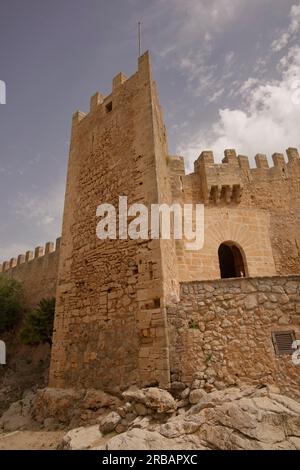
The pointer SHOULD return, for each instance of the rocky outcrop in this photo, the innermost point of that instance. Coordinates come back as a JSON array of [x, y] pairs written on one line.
[[153, 398], [237, 418], [57, 405], [54, 409], [69, 407], [159, 400], [26, 369], [242, 417], [82, 438], [19, 414], [138, 439]]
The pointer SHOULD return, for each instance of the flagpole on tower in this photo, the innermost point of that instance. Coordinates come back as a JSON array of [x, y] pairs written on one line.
[[140, 36]]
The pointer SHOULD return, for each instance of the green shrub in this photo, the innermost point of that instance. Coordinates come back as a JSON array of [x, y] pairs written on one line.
[[193, 324], [11, 303], [209, 358], [38, 324]]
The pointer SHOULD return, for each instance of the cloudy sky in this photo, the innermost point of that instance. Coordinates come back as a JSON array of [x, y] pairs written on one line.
[[228, 73]]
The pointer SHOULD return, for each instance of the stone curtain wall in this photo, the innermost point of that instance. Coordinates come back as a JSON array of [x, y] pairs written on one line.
[[257, 208], [220, 332], [247, 228], [37, 271]]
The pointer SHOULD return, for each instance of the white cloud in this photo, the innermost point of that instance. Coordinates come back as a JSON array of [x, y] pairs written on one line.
[[267, 121], [203, 18], [229, 59], [199, 73], [194, 25], [216, 95], [43, 212], [293, 28], [206, 79], [239, 89], [197, 27], [39, 217]]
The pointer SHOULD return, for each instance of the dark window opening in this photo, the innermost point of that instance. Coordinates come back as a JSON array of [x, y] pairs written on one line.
[[135, 270], [150, 265], [283, 342], [108, 107], [231, 262]]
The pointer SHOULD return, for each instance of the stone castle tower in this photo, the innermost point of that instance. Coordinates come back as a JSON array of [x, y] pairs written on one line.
[[151, 312], [110, 327]]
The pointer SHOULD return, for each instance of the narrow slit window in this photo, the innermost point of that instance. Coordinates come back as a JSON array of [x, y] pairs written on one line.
[[109, 107]]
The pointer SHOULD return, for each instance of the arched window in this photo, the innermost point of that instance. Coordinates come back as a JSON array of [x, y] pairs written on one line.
[[231, 261]]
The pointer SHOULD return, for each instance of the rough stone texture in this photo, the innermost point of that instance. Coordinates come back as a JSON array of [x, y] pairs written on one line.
[[26, 369], [70, 407], [159, 400], [255, 208], [111, 292], [82, 438], [245, 417], [140, 409], [57, 403], [95, 399], [115, 292], [196, 395], [221, 332], [234, 419], [134, 394], [110, 422], [152, 398], [139, 439], [19, 414]]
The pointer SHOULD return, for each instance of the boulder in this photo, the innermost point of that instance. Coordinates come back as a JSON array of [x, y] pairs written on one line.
[[159, 400], [134, 394], [96, 399], [57, 403], [82, 438], [238, 418], [177, 388], [185, 393], [140, 409], [181, 425], [123, 410], [110, 422], [18, 416], [196, 396], [141, 439]]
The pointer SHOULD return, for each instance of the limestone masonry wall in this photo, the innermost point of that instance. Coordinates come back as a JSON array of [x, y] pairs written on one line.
[[110, 324], [258, 209], [37, 271], [221, 332], [115, 323]]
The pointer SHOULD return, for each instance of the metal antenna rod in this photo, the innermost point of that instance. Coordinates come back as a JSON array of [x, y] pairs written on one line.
[[139, 33]]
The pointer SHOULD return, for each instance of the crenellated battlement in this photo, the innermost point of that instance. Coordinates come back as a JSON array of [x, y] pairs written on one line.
[[105, 104], [225, 181], [36, 270], [207, 159], [31, 256], [125, 291], [220, 181]]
